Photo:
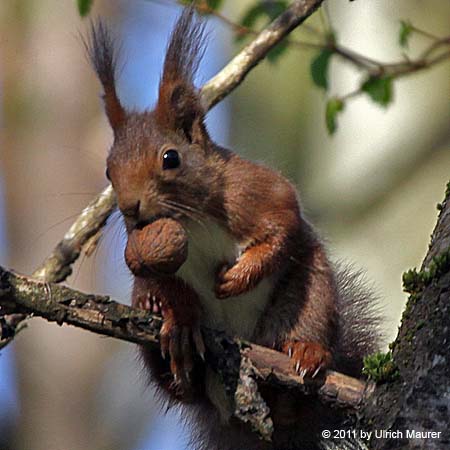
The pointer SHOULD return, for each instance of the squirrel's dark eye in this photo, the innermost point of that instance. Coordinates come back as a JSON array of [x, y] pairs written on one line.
[[107, 175], [171, 159]]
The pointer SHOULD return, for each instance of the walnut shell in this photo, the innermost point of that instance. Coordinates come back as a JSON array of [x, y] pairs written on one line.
[[160, 247]]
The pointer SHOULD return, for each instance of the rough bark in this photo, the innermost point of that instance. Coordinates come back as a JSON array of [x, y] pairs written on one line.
[[233, 359], [419, 400]]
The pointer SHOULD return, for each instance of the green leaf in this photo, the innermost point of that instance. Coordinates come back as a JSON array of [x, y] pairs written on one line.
[[274, 8], [277, 51], [252, 15], [214, 4], [405, 32], [334, 107], [84, 7], [379, 89], [319, 68], [269, 9], [249, 19]]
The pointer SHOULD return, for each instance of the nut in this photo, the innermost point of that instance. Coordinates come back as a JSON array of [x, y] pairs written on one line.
[[160, 247]]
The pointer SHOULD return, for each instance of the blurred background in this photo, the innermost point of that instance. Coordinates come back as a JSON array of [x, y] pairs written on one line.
[[371, 189]]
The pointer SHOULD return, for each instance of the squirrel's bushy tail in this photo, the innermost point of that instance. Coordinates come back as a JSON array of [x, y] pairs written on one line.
[[360, 318]]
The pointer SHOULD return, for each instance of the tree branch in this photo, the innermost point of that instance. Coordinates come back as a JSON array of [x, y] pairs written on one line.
[[57, 266], [234, 73], [20, 294]]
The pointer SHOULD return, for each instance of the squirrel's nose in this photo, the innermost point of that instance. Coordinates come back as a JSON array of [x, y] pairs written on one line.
[[131, 211], [138, 211]]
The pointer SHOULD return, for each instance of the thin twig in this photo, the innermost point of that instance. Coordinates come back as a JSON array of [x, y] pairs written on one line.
[[242, 30], [234, 72], [57, 266], [425, 33]]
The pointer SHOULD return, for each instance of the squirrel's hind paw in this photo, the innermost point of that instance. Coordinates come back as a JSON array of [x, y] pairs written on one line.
[[181, 343], [309, 358]]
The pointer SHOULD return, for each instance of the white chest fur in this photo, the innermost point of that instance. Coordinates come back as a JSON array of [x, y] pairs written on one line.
[[209, 246]]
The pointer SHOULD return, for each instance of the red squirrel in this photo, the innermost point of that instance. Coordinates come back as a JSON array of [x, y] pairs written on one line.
[[255, 267]]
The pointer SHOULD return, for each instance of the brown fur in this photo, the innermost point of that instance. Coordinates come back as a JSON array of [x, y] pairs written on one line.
[[102, 53], [259, 209]]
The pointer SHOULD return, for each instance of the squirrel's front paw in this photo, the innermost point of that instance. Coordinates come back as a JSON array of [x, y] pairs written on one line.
[[309, 357], [181, 341], [237, 280]]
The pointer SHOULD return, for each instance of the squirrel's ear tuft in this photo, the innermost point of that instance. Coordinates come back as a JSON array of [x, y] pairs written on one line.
[[179, 107], [102, 53], [185, 49]]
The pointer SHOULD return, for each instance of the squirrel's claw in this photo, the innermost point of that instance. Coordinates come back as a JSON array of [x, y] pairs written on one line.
[[316, 372], [309, 357], [164, 339], [198, 342], [181, 342]]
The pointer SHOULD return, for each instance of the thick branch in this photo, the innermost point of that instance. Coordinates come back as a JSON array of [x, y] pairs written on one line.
[[23, 295]]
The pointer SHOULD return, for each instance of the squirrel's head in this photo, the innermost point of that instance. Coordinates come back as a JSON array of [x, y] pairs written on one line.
[[159, 163]]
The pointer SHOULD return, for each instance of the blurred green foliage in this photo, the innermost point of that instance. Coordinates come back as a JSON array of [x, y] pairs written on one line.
[[214, 4], [319, 68], [84, 7], [405, 32], [266, 9], [334, 107]]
